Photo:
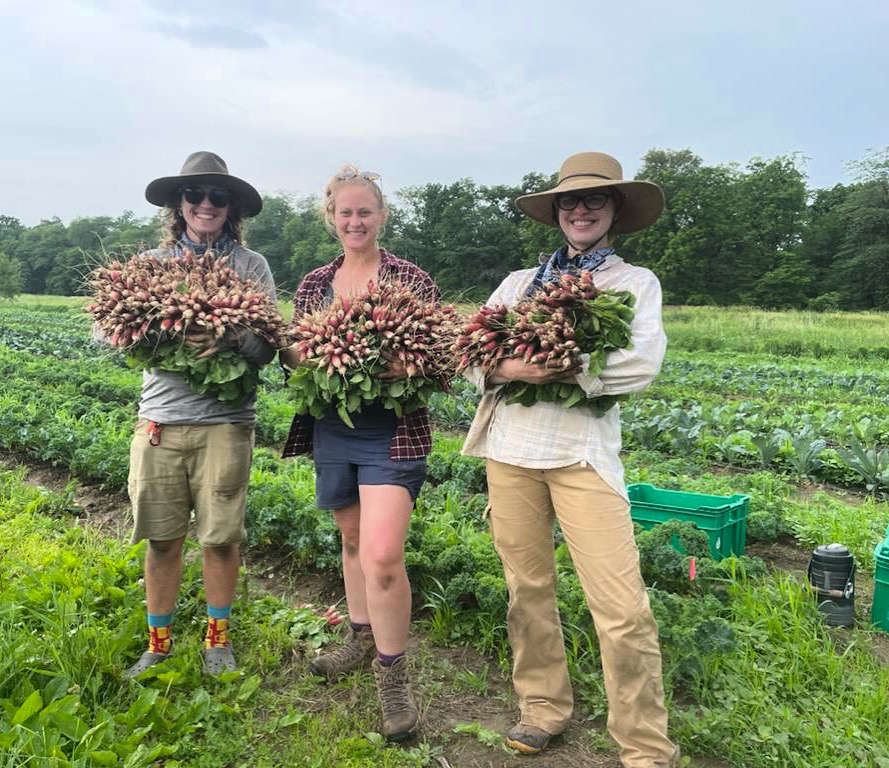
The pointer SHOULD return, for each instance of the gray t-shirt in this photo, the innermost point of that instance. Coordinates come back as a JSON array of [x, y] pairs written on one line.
[[167, 398]]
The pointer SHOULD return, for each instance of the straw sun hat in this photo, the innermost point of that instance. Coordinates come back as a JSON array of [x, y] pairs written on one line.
[[204, 168], [642, 203]]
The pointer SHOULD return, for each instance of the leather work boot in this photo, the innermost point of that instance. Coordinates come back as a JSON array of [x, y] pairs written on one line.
[[400, 714], [527, 739], [357, 651]]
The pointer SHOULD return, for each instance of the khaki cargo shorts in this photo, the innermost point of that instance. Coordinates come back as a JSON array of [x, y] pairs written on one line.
[[201, 468]]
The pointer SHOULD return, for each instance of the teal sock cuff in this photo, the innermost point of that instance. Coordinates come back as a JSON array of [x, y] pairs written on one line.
[[160, 619], [219, 611]]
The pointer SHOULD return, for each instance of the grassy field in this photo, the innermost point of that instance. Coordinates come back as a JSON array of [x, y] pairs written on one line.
[[862, 335]]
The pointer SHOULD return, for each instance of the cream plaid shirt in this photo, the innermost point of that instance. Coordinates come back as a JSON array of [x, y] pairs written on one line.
[[547, 435]]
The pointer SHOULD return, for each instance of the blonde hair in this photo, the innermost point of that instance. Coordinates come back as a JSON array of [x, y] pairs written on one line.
[[173, 223], [348, 173]]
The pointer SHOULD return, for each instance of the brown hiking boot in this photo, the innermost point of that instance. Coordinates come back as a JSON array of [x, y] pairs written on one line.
[[358, 649], [400, 714], [527, 739]]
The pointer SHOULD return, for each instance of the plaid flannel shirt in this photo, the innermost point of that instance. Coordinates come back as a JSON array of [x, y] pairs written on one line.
[[413, 435]]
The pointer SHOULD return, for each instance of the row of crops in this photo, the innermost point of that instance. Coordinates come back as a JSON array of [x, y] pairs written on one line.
[[827, 421], [708, 425]]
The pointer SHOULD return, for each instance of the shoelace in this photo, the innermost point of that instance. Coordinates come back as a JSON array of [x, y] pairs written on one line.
[[353, 649], [393, 690]]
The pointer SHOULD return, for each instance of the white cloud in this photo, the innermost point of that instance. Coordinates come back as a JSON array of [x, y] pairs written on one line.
[[107, 95]]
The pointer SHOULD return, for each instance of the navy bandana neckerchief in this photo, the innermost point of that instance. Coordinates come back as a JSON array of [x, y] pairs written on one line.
[[222, 245], [559, 263]]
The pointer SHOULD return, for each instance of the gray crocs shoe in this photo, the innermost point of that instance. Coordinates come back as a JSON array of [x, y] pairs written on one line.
[[218, 660], [146, 660]]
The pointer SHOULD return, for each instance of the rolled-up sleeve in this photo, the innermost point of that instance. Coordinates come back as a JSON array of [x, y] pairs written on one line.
[[633, 369]]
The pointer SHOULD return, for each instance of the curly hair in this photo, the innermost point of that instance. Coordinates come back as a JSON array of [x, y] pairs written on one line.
[[348, 173], [172, 222]]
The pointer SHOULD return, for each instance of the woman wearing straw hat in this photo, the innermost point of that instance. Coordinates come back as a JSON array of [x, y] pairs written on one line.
[[546, 460], [192, 451]]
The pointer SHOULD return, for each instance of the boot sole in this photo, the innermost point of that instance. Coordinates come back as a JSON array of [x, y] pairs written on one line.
[[525, 749], [404, 735]]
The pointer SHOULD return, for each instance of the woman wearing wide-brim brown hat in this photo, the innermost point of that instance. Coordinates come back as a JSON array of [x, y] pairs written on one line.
[[548, 461], [204, 168], [191, 452]]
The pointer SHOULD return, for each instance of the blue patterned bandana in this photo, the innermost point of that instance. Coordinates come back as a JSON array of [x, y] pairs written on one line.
[[559, 263], [222, 245]]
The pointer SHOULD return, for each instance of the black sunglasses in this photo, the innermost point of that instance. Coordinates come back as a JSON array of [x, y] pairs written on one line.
[[592, 200], [219, 196]]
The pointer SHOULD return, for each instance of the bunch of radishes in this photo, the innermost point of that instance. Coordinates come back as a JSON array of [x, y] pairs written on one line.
[[553, 327], [173, 314], [346, 346], [146, 294]]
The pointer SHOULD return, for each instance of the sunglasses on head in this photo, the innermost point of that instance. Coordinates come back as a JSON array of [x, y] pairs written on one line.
[[592, 200], [219, 196], [349, 175]]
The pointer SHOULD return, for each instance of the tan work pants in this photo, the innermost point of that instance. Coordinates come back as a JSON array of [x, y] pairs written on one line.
[[599, 532]]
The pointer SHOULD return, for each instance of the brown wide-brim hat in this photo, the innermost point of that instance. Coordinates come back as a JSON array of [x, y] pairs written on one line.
[[643, 201], [204, 168]]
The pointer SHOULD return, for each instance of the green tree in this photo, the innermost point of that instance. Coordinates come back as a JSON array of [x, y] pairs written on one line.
[[464, 235], [786, 286], [41, 246], [863, 260], [538, 240], [11, 231], [128, 235], [266, 234], [693, 246], [823, 233], [10, 276], [309, 243], [771, 208]]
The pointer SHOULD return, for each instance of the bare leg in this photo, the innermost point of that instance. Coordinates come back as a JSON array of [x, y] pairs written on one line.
[[221, 573], [348, 520], [163, 575], [385, 515]]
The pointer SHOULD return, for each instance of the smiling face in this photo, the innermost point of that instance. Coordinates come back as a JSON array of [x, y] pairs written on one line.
[[583, 227], [358, 217], [204, 221]]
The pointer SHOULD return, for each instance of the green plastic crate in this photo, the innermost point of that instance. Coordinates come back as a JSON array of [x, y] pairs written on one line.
[[880, 609], [722, 518]]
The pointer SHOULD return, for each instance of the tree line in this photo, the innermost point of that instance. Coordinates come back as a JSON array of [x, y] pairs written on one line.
[[730, 235]]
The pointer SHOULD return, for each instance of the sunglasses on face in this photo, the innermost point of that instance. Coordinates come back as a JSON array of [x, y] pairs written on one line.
[[219, 196], [592, 200]]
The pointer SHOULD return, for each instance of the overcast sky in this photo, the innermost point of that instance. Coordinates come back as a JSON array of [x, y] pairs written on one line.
[[98, 97]]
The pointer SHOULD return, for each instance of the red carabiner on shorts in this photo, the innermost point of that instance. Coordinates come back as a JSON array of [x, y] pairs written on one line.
[[154, 431]]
